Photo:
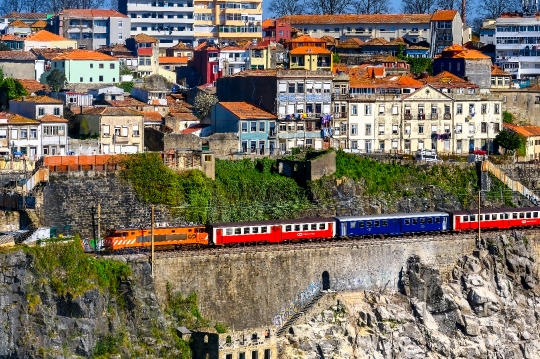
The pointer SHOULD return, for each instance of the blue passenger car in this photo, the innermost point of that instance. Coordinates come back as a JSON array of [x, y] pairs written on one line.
[[392, 224]]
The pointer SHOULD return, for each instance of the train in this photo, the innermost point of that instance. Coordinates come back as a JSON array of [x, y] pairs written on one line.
[[287, 230]]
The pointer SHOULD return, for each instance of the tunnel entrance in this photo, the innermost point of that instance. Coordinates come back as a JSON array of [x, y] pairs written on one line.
[[325, 281]]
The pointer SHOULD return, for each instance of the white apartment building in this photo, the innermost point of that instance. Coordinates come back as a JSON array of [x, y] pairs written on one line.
[[169, 21], [517, 42]]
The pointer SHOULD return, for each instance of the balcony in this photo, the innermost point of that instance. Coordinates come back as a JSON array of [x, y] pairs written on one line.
[[407, 117], [341, 114], [340, 96], [447, 116], [434, 116], [421, 116], [120, 139]]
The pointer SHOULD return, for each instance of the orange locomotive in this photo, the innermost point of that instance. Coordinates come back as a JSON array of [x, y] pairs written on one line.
[[164, 237]]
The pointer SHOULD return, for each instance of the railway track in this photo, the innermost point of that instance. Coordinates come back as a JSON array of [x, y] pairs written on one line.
[[323, 243]]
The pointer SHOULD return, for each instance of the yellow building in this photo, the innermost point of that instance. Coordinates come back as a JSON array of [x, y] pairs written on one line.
[[225, 20], [260, 57], [310, 58], [532, 136]]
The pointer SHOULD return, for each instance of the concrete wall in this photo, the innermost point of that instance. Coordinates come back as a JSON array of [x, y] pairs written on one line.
[[19, 69], [68, 198], [252, 288], [309, 170], [222, 144], [522, 103]]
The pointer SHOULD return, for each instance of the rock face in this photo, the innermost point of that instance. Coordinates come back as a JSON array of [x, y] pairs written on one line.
[[37, 323], [486, 309]]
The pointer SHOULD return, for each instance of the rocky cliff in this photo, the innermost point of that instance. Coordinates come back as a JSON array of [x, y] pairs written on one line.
[[487, 308], [55, 308]]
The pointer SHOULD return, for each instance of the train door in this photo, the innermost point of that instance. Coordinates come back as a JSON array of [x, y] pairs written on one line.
[[276, 233], [445, 223], [344, 231]]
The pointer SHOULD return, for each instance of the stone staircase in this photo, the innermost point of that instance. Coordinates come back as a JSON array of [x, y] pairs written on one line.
[[292, 320], [515, 186]]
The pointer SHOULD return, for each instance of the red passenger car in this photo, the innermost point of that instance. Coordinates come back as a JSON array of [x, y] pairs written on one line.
[[271, 231], [501, 218]]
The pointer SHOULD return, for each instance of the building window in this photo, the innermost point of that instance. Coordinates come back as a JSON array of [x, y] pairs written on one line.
[[292, 88], [120, 37], [91, 66], [41, 111], [497, 108], [100, 78], [368, 130], [300, 88], [381, 109], [111, 66], [101, 66], [459, 109], [57, 111], [244, 127], [420, 129], [496, 128], [215, 69], [91, 80], [24, 133], [354, 129], [106, 132], [261, 126], [120, 24], [80, 79], [381, 129], [33, 133], [368, 110], [394, 129], [484, 109], [354, 110], [483, 127], [136, 130]]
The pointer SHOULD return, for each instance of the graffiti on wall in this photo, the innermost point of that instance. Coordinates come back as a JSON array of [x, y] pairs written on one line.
[[296, 304]]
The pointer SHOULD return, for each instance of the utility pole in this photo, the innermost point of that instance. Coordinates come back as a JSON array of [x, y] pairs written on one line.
[[93, 213], [152, 237], [479, 193]]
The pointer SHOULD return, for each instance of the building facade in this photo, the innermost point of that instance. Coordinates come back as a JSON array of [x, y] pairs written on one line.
[[532, 137], [168, 21], [146, 48], [92, 28], [44, 39]]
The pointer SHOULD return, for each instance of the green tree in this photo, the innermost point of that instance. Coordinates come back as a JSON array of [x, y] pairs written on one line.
[[126, 86], [203, 104], [125, 70], [56, 79], [13, 88], [508, 117], [509, 140], [4, 47]]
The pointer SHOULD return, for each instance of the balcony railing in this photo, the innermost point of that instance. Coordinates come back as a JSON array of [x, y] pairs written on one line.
[[407, 117], [120, 139], [421, 116], [340, 114], [434, 116], [447, 116]]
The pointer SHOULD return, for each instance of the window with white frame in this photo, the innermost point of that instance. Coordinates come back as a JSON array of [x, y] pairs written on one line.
[[14, 134], [117, 130], [381, 129], [106, 131], [354, 110], [471, 128], [124, 131], [354, 129], [33, 133], [408, 129], [24, 133], [433, 128], [3, 133], [368, 110], [394, 109], [394, 144], [381, 109], [136, 130], [458, 128]]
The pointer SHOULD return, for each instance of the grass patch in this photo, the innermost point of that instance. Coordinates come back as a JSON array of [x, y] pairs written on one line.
[[70, 272], [185, 310]]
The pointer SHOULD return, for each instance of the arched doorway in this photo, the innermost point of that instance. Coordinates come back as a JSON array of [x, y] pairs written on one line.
[[325, 281]]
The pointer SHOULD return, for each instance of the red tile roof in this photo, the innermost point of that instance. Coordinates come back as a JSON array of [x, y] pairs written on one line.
[[527, 131], [128, 101], [10, 37], [112, 111], [152, 116], [194, 128], [19, 23], [44, 35], [245, 111], [18, 119], [269, 23], [85, 55], [145, 38], [17, 55], [52, 118], [357, 19], [173, 60], [352, 43], [90, 13], [444, 15], [33, 86], [39, 99], [377, 41], [311, 50], [496, 70], [40, 24], [181, 46], [26, 15], [307, 38], [446, 79]]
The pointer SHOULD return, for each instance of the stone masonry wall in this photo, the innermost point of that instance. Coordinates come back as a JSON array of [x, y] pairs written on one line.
[[253, 288], [69, 197]]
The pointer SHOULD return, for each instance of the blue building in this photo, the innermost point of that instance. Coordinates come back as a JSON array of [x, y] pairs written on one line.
[[417, 51], [256, 128]]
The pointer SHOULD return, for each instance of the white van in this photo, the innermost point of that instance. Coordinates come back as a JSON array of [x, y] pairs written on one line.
[[427, 156]]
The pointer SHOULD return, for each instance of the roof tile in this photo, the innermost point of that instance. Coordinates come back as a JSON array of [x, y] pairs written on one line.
[[496, 70], [52, 119], [305, 50], [152, 116], [90, 13], [33, 86], [173, 60], [19, 23], [145, 38], [17, 55], [527, 131], [358, 19], [26, 15], [44, 35], [245, 111], [41, 24], [444, 15], [307, 38], [18, 119], [39, 99], [112, 111], [84, 55]]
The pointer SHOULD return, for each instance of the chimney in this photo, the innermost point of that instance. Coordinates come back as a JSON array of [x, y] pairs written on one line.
[[463, 12]]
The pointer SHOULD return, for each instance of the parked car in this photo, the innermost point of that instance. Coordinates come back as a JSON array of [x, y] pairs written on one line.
[[427, 156]]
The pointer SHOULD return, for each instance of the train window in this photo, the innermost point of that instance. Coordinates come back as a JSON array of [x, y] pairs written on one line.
[[368, 224], [228, 231], [528, 214], [473, 218], [264, 229], [493, 216], [352, 224], [238, 230], [415, 221], [430, 220], [255, 230], [514, 215], [465, 218], [535, 214], [385, 223], [314, 226], [190, 230], [288, 228], [296, 227], [305, 227], [522, 215], [124, 234], [407, 222], [174, 230], [437, 219], [134, 232], [376, 223], [506, 216], [360, 224], [246, 230], [322, 226], [422, 220]]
